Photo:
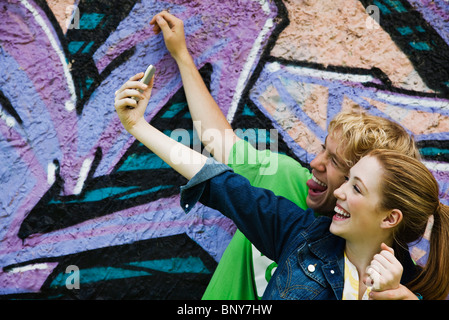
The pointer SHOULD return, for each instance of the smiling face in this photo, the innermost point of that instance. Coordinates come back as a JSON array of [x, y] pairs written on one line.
[[357, 213], [328, 173], [351, 136]]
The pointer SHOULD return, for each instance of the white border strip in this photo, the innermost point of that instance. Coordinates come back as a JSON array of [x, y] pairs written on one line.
[[245, 74], [421, 101], [329, 75], [30, 267], [70, 104], [437, 166]]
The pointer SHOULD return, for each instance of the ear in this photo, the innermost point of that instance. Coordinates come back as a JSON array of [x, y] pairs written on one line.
[[392, 219]]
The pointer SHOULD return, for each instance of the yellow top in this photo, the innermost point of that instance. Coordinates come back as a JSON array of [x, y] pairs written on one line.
[[351, 288]]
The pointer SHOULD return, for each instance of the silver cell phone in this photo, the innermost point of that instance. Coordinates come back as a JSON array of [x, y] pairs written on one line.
[[149, 73]]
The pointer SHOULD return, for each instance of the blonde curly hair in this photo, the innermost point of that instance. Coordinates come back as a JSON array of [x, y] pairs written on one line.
[[359, 133]]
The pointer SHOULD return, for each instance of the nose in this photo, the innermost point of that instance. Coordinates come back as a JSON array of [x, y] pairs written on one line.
[[319, 163], [339, 192]]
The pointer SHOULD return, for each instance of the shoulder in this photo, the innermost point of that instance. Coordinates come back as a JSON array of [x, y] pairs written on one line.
[[266, 169]]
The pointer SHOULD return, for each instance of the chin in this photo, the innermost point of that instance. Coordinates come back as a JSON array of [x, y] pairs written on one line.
[[321, 208], [336, 230]]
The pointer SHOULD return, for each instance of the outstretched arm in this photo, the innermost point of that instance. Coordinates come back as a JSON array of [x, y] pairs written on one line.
[[214, 130], [131, 113], [254, 210]]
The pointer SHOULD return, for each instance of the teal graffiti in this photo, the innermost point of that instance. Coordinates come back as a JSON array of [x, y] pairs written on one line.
[[382, 8], [422, 46], [175, 109], [90, 21], [143, 162], [396, 5], [431, 151], [145, 192], [98, 194], [247, 111], [75, 46], [135, 269]]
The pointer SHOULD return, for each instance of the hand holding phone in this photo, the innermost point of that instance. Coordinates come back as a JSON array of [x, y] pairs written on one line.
[[147, 77]]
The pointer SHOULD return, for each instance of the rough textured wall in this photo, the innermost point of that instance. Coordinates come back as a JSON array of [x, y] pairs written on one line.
[[81, 200]]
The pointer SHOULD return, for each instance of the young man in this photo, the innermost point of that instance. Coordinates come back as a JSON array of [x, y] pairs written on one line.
[[243, 272]]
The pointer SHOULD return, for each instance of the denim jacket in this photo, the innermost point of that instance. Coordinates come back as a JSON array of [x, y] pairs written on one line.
[[310, 258]]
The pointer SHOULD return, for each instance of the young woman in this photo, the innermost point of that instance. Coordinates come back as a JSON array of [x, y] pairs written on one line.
[[385, 202]]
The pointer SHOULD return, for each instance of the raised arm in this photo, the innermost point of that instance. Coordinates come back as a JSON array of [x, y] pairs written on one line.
[[131, 113], [214, 130]]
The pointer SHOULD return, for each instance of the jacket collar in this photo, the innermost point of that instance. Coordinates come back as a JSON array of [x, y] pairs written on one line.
[[328, 248]]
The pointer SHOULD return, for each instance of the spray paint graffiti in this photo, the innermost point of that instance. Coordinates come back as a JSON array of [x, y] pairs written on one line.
[[78, 191]]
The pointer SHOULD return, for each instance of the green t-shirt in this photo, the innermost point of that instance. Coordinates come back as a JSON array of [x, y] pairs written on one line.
[[243, 272]]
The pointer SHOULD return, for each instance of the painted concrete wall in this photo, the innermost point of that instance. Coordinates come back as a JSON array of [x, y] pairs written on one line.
[[80, 197]]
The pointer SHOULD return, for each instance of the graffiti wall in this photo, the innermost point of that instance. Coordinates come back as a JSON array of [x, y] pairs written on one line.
[[88, 212]]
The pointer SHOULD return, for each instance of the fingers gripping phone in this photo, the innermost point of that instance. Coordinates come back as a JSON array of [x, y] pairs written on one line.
[[147, 77]]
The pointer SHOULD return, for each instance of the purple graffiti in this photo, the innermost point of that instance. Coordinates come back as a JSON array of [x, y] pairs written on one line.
[[47, 138]]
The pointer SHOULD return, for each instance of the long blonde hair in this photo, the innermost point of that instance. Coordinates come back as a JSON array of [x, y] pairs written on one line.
[[359, 133], [409, 186]]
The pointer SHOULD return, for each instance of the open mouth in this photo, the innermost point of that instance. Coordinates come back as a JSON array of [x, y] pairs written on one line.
[[340, 213], [316, 186]]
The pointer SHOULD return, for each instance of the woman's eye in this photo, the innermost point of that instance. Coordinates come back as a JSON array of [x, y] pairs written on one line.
[[356, 188]]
